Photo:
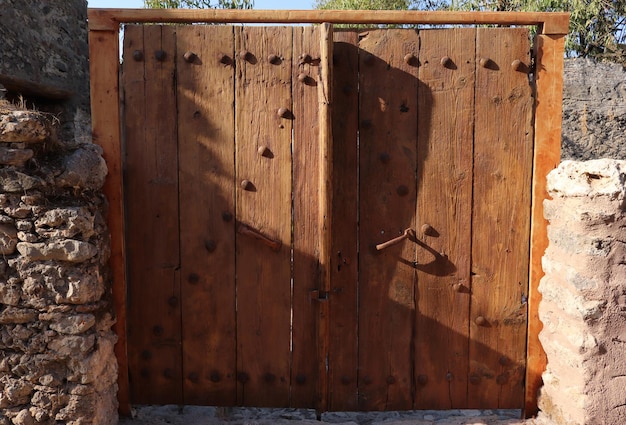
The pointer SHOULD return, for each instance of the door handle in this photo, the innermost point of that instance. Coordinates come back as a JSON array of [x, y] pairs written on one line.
[[245, 230], [408, 233]]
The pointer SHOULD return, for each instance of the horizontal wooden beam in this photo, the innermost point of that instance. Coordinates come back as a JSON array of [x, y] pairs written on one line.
[[549, 22]]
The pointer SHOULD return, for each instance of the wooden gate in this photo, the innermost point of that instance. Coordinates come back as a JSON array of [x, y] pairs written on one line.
[[432, 133], [251, 274]]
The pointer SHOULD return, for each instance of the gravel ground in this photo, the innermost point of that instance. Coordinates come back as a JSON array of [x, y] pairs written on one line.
[[193, 415]]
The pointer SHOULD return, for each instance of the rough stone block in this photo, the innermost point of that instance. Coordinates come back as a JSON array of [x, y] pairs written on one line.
[[60, 250], [23, 127]]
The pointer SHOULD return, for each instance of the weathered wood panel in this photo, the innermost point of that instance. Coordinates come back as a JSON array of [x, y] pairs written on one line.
[[306, 235], [343, 301], [206, 140], [151, 183], [549, 53], [501, 217], [444, 197], [387, 193], [263, 205]]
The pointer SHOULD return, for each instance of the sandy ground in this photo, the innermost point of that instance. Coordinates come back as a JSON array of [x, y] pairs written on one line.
[[193, 415]]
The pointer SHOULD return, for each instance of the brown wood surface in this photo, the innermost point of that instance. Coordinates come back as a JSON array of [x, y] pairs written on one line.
[[343, 302], [549, 22], [105, 123], [206, 141], [306, 234], [387, 194], [151, 182], [263, 276], [501, 219], [549, 53], [445, 152]]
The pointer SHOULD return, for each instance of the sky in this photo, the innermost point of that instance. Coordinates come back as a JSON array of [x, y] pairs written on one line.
[[258, 4]]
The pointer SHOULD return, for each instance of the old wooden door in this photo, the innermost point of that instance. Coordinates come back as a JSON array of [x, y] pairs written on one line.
[[432, 133]]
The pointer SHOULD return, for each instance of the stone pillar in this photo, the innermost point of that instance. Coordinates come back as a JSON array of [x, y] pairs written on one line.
[[584, 294]]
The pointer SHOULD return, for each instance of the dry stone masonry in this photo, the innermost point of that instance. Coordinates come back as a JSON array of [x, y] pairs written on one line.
[[584, 294], [56, 345]]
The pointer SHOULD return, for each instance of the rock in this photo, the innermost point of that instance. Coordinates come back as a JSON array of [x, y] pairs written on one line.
[[84, 168], [17, 391], [10, 294], [74, 346], [8, 239], [12, 181], [17, 315], [66, 223], [15, 157], [600, 177], [63, 250], [22, 127], [24, 418], [73, 325]]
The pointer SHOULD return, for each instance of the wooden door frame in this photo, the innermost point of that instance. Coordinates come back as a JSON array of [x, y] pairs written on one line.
[[104, 30]]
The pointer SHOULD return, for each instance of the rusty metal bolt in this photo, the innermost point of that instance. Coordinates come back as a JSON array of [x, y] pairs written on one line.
[[384, 157], [428, 230], [410, 59], [159, 55], [264, 151], [158, 330], [224, 59], [215, 376], [449, 377], [474, 379], [193, 278], [210, 245], [245, 55], [243, 377], [300, 379], [138, 55], [274, 59], [302, 77], [446, 61], [189, 56], [458, 287], [485, 62], [518, 65], [422, 379], [269, 378], [283, 113], [227, 216], [246, 184], [480, 321], [305, 58]]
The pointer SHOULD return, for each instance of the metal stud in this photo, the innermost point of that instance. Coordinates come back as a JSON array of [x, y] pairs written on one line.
[[502, 379], [485, 62], [158, 330], [305, 58], [446, 61], [189, 56], [474, 379], [172, 301], [224, 59], [269, 378], [210, 245], [159, 55], [345, 380], [227, 216], [458, 287], [264, 151], [284, 113], [368, 59], [300, 379], [193, 278], [449, 377], [410, 59], [480, 321], [215, 376], [384, 157], [243, 377], [247, 185], [428, 230], [168, 373], [504, 361], [138, 55], [402, 190], [274, 59], [245, 55], [391, 380], [193, 377], [422, 379]]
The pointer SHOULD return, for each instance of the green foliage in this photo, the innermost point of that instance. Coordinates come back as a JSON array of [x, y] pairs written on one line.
[[198, 4], [597, 27]]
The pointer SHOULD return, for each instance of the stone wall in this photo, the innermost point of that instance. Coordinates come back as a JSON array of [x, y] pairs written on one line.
[[594, 110], [56, 345], [584, 294]]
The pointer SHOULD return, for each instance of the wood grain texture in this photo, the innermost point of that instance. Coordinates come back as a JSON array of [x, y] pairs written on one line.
[[105, 123], [263, 276], [445, 153], [343, 301], [501, 219], [151, 181], [549, 53], [206, 141], [549, 22], [307, 235], [387, 193]]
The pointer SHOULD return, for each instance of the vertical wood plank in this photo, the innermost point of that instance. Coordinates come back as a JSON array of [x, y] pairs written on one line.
[[263, 204], [306, 235], [343, 301], [501, 224], [206, 134], [154, 325], [105, 123], [444, 197], [549, 53], [387, 193]]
